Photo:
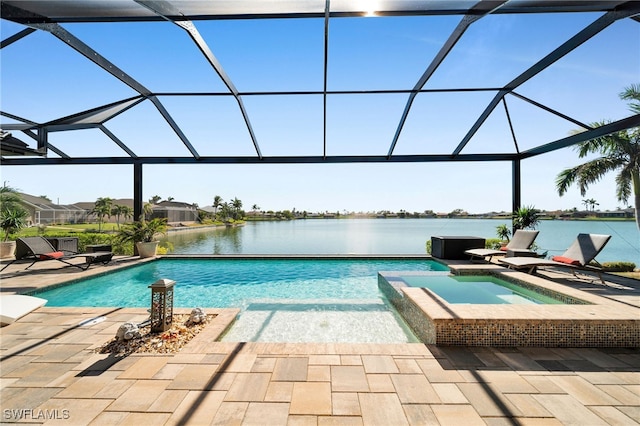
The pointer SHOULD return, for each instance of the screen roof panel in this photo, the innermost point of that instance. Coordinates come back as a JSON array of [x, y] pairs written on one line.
[[369, 77]]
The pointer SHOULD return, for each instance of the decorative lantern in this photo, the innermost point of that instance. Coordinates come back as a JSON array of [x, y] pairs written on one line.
[[161, 305]]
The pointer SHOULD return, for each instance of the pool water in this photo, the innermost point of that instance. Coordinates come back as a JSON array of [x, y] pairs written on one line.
[[478, 289], [281, 300]]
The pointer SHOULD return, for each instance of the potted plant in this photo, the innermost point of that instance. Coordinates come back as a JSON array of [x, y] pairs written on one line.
[[13, 217], [143, 234], [503, 232], [11, 221], [526, 218]]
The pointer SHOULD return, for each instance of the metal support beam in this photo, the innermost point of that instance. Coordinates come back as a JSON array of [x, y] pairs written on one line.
[[325, 83], [82, 48], [319, 159], [9, 40], [137, 191], [167, 9], [481, 9], [591, 30], [596, 132], [516, 188]]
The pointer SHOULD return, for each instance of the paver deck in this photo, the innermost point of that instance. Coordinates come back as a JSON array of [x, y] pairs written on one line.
[[50, 374]]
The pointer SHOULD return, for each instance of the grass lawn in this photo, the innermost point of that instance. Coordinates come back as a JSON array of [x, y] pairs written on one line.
[[71, 228], [635, 275]]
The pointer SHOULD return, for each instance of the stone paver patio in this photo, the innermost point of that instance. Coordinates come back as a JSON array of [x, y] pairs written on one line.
[[50, 374]]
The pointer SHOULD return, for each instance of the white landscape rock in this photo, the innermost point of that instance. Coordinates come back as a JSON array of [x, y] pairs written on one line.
[[197, 315], [128, 331]]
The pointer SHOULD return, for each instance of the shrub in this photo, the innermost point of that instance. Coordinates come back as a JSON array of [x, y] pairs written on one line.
[[619, 266], [493, 243]]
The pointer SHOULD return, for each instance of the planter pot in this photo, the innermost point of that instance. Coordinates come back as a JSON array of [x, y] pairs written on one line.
[[7, 249], [147, 249]]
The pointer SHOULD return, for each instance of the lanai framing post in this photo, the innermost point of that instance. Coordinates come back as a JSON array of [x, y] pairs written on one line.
[[137, 190], [516, 195]]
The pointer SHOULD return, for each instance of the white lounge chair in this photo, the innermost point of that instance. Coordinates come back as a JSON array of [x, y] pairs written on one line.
[[521, 242], [578, 256], [15, 306]]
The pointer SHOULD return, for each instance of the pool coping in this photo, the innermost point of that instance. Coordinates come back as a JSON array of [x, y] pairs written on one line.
[[600, 323]]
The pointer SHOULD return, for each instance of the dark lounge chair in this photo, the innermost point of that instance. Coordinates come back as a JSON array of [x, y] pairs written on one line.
[[579, 257], [39, 249], [520, 243]]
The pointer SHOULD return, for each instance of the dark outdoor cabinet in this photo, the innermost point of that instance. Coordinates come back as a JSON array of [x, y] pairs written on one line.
[[454, 246]]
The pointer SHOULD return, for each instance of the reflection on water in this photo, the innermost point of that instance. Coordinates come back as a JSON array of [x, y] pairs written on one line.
[[220, 240], [391, 236]]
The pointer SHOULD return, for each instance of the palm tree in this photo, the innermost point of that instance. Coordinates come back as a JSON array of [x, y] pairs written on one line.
[[225, 210], [620, 152], [101, 209], [590, 204], [120, 210], [237, 205], [155, 199], [217, 201], [147, 210], [127, 212]]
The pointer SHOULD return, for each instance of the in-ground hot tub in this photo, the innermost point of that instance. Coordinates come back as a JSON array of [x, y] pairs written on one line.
[[560, 317]]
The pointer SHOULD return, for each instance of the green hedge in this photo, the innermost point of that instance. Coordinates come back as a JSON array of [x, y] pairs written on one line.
[[619, 266]]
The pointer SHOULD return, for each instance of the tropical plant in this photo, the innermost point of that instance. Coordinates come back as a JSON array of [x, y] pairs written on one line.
[[155, 199], [619, 152], [503, 232], [102, 209], [12, 220], [526, 217], [12, 215], [9, 197], [142, 230]]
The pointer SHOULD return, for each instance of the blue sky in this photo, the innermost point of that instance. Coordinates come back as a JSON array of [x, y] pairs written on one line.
[[43, 79]]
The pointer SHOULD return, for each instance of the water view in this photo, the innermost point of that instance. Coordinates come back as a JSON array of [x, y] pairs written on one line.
[[391, 236]]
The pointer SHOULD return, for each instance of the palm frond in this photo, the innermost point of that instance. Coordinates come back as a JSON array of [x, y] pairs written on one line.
[[632, 93], [592, 171], [565, 179], [623, 184]]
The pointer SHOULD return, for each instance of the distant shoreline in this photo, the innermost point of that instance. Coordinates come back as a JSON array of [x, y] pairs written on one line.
[[349, 216]]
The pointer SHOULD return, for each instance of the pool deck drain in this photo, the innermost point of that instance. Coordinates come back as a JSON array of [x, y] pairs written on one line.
[[49, 369]]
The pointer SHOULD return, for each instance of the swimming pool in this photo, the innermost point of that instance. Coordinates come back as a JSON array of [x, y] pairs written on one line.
[[224, 283], [479, 289], [281, 299], [474, 322]]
